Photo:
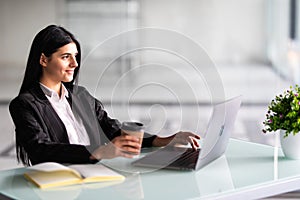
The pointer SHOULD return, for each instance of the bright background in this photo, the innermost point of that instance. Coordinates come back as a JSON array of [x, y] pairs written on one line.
[[253, 43]]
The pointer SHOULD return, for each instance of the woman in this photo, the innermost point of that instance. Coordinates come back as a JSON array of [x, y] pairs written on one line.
[[58, 121]]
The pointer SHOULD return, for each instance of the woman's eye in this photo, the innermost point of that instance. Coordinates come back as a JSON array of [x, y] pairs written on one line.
[[65, 57]]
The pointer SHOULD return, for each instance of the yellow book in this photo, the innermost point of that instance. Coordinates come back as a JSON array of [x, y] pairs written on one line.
[[50, 174]]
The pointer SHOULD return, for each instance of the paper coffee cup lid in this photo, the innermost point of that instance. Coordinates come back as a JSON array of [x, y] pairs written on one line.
[[132, 126]]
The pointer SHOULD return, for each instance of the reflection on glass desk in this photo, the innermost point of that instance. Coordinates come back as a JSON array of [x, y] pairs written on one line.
[[246, 171]]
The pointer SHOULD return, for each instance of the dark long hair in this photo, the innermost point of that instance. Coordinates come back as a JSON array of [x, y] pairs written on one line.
[[48, 41]]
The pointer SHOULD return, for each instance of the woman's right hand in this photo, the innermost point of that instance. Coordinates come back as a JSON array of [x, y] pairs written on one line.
[[125, 146]]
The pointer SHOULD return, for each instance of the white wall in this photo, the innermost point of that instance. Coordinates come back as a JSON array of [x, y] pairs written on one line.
[[232, 31], [20, 21]]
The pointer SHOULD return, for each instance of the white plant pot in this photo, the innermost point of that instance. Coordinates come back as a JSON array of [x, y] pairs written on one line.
[[290, 145]]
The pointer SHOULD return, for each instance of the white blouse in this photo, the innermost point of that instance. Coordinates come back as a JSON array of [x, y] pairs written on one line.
[[76, 131]]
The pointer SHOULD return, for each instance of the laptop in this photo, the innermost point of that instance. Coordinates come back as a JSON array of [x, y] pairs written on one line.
[[213, 146]]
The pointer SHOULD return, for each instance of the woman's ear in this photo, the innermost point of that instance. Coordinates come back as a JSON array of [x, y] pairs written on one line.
[[43, 60]]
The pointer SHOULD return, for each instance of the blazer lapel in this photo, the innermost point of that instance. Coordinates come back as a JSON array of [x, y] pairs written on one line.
[[83, 107], [56, 128]]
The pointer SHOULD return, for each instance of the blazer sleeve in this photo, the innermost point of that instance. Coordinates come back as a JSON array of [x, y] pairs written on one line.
[[111, 127], [33, 136]]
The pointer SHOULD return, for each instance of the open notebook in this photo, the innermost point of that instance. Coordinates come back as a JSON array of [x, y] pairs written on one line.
[[50, 174]]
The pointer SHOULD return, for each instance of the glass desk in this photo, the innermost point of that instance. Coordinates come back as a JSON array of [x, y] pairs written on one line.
[[246, 171]]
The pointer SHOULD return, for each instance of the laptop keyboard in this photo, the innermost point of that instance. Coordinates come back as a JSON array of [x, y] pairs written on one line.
[[171, 157], [187, 160], [163, 157]]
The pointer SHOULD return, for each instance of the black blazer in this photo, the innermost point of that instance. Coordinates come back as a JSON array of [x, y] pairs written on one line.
[[42, 137]]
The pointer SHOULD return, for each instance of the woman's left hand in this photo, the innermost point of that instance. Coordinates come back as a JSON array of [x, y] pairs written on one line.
[[181, 137]]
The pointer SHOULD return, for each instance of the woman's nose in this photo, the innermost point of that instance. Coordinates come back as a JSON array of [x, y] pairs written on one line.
[[74, 62]]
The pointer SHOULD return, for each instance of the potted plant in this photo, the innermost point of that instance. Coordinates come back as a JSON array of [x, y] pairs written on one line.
[[284, 114]]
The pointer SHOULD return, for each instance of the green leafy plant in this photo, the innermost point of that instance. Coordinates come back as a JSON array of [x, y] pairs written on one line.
[[284, 112]]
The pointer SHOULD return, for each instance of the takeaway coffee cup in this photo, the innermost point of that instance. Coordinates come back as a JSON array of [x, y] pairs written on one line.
[[133, 128]]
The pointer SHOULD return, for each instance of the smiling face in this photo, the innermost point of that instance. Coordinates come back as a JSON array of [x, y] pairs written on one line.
[[59, 67]]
